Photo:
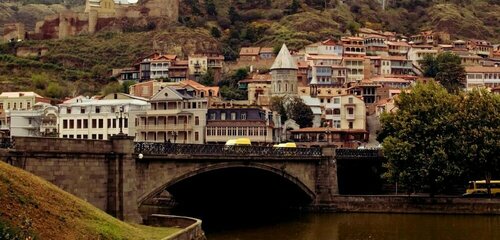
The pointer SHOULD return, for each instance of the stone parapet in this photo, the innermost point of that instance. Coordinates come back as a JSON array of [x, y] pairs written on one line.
[[191, 227]]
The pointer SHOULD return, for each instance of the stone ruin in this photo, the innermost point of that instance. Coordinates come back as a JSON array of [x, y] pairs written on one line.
[[98, 15]]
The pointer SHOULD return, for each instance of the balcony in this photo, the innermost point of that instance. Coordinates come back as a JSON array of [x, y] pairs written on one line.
[[169, 127]]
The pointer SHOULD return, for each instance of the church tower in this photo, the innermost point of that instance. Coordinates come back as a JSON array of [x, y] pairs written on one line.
[[284, 74]]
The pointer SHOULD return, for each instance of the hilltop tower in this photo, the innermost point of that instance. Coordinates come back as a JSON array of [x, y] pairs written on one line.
[[284, 74]]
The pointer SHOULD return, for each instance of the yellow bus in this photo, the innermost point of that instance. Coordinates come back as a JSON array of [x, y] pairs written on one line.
[[478, 188]]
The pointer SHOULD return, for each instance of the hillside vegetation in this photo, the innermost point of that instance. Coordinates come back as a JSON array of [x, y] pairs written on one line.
[[83, 64], [32, 207]]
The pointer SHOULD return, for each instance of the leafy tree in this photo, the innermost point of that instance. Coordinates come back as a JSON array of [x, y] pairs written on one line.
[[208, 78], [40, 81], [234, 16], [478, 134], [429, 66], [211, 8], [294, 7], [450, 72], [277, 105], [215, 32], [418, 140], [126, 86], [292, 108], [229, 93], [55, 90], [113, 87], [300, 112]]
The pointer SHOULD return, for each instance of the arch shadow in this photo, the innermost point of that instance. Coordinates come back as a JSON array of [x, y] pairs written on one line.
[[311, 194]]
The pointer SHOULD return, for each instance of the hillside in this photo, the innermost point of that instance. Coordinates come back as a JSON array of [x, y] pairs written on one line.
[[82, 65], [30, 206]]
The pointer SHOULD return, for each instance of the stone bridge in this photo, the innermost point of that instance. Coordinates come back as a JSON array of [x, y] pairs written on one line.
[[119, 175]]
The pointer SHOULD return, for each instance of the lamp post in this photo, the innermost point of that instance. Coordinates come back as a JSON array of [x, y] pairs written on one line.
[[120, 116]]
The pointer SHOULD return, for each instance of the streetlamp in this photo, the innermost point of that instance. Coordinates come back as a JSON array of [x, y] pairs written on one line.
[[120, 115]]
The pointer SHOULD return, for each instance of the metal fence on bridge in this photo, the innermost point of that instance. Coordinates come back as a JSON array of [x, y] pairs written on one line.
[[6, 143], [222, 150]]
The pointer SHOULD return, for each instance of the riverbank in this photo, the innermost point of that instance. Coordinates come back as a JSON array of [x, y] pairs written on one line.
[[33, 207], [410, 204]]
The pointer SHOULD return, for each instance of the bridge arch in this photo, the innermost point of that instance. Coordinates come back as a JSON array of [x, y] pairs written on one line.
[[221, 166]]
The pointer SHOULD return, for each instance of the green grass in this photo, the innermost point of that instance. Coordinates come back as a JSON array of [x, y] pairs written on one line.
[[38, 208]]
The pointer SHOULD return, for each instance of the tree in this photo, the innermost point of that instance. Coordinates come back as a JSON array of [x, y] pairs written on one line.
[[450, 72], [294, 7], [208, 78], [211, 8], [429, 66], [55, 90], [277, 105], [300, 112], [234, 16], [478, 134], [292, 108], [215, 32], [126, 85], [418, 140]]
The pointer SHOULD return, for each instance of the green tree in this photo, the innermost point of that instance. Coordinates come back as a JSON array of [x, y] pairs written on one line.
[[126, 86], [113, 87], [208, 78], [277, 105], [478, 134], [294, 7], [429, 66], [215, 32], [450, 72], [293, 108], [418, 140], [234, 16], [211, 8], [300, 112], [40, 81], [55, 90]]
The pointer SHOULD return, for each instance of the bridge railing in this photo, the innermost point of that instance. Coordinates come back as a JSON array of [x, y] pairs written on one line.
[[222, 150], [6, 143], [357, 153]]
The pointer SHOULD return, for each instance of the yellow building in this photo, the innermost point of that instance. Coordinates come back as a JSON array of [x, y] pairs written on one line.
[[346, 112], [101, 6], [197, 65]]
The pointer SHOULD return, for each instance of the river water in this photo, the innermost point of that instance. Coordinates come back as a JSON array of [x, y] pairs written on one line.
[[354, 226]]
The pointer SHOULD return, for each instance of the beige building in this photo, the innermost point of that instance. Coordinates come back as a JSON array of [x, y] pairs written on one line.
[[176, 115], [346, 112], [355, 68], [482, 77], [198, 65]]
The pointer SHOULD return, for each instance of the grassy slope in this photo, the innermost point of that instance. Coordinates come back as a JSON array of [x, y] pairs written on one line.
[[32, 204]]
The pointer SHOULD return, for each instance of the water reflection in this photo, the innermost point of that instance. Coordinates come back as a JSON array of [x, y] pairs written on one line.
[[365, 226]]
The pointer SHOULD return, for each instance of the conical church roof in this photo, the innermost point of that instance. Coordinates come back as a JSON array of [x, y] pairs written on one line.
[[284, 60]]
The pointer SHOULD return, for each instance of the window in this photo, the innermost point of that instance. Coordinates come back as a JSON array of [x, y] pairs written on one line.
[[125, 123], [28, 105], [351, 124], [82, 110], [97, 109], [68, 110], [109, 123], [212, 116], [350, 111], [20, 105], [65, 124], [196, 136], [223, 116], [233, 116], [94, 136], [100, 136], [71, 124], [85, 136], [196, 121], [351, 100], [336, 111], [336, 123], [94, 124], [85, 123], [243, 116], [78, 123], [101, 123]]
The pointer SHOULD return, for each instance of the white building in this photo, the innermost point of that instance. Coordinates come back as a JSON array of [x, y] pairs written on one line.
[[84, 118], [41, 120]]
